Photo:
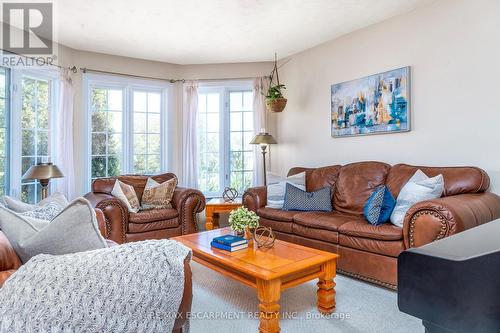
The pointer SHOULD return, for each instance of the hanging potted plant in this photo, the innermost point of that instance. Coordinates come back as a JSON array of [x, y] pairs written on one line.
[[275, 101]]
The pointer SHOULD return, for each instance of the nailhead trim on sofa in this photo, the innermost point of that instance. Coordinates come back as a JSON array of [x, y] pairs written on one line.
[[413, 220]]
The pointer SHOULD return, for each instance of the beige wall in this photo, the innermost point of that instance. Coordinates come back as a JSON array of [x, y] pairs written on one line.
[[453, 47], [83, 59]]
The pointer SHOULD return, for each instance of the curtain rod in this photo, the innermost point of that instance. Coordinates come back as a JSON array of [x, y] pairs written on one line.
[[85, 70]]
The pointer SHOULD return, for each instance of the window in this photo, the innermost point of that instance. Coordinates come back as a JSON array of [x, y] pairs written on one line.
[[225, 129], [106, 132], [4, 130], [127, 126], [27, 109], [35, 131], [241, 133], [147, 131]]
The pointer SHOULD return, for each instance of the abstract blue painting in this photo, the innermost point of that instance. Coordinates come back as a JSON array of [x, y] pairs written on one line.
[[375, 104]]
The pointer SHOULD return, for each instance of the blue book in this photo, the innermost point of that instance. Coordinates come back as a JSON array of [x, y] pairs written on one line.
[[228, 248], [230, 240]]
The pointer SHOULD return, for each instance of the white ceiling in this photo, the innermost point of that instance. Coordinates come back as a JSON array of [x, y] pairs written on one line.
[[215, 31]]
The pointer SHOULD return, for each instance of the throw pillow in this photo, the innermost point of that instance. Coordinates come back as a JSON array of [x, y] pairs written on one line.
[[158, 196], [379, 206], [126, 194], [46, 212], [75, 229], [418, 188], [276, 190], [298, 199], [18, 206]]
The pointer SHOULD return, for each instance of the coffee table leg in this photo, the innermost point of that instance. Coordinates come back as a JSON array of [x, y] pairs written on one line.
[[269, 296], [326, 288]]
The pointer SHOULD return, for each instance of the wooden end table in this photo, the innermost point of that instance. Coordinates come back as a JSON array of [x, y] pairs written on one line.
[[269, 271], [215, 206]]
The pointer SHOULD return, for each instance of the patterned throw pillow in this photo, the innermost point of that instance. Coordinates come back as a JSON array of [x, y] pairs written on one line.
[[158, 195], [297, 199], [126, 194], [379, 206], [46, 212]]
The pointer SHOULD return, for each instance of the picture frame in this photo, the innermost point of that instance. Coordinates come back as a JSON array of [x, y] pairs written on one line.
[[375, 104]]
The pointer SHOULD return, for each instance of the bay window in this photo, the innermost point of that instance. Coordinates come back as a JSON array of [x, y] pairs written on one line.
[[225, 129]]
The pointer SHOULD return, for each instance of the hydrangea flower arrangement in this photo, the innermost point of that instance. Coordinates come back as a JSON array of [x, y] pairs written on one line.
[[241, 218]]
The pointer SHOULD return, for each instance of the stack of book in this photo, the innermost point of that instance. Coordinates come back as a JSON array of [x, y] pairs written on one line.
[[229, 243]]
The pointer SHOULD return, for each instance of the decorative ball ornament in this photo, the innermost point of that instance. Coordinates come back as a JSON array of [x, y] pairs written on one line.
[[264, 237], [229, 194]]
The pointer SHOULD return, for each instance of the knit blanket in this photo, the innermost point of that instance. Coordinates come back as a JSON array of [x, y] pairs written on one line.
[[134, 287]]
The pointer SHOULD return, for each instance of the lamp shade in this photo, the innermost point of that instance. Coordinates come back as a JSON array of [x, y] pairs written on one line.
[[43, 171], [263, 139]]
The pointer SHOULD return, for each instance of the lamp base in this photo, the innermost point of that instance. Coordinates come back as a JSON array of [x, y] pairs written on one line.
[[45, 187]]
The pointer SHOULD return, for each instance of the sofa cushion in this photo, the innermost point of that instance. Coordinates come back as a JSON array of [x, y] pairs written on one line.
[[152, 215], [276, 189], [152, 226], [300, 200], [276, 214], [158, 195], [356, 183], [364, 229], [74, 230], [379, 206], [314, 233], [419, 188], [457, 180], [317, 178], [126, 194], [388, 248], [324, 220], [283, 226]]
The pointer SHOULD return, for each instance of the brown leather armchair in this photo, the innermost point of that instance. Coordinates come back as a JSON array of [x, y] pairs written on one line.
[[122, 226]]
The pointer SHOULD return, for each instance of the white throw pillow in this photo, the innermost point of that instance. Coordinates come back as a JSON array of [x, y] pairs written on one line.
[[276, 188], [18, 206], [418, 188], [75, 229], [126, 194]]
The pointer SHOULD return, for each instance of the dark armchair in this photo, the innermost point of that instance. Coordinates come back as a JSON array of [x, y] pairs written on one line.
[[122, 226]]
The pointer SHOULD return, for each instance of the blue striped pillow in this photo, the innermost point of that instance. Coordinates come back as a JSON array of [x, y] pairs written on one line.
[[297, 199]]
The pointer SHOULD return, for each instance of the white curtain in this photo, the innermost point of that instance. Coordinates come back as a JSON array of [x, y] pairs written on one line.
[[189, 138], [64, 157], [259, 124]]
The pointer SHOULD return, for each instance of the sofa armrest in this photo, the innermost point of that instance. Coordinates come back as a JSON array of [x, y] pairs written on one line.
[[255, 198], [115, 213], [188, 203], [187, 298], [431, 220]]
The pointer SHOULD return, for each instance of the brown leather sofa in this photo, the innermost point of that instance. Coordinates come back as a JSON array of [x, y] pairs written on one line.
[[10, 262], [370, 252], [122, 226]]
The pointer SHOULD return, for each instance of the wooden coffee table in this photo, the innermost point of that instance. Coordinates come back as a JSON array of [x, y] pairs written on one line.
[[215, 206], [269, 271]]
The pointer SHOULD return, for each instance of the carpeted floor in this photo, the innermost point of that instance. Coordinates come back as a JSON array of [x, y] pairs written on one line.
[[361, 307]]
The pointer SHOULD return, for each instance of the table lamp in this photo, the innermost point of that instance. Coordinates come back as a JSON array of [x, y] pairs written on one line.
[[43, 172], [263, 139]]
